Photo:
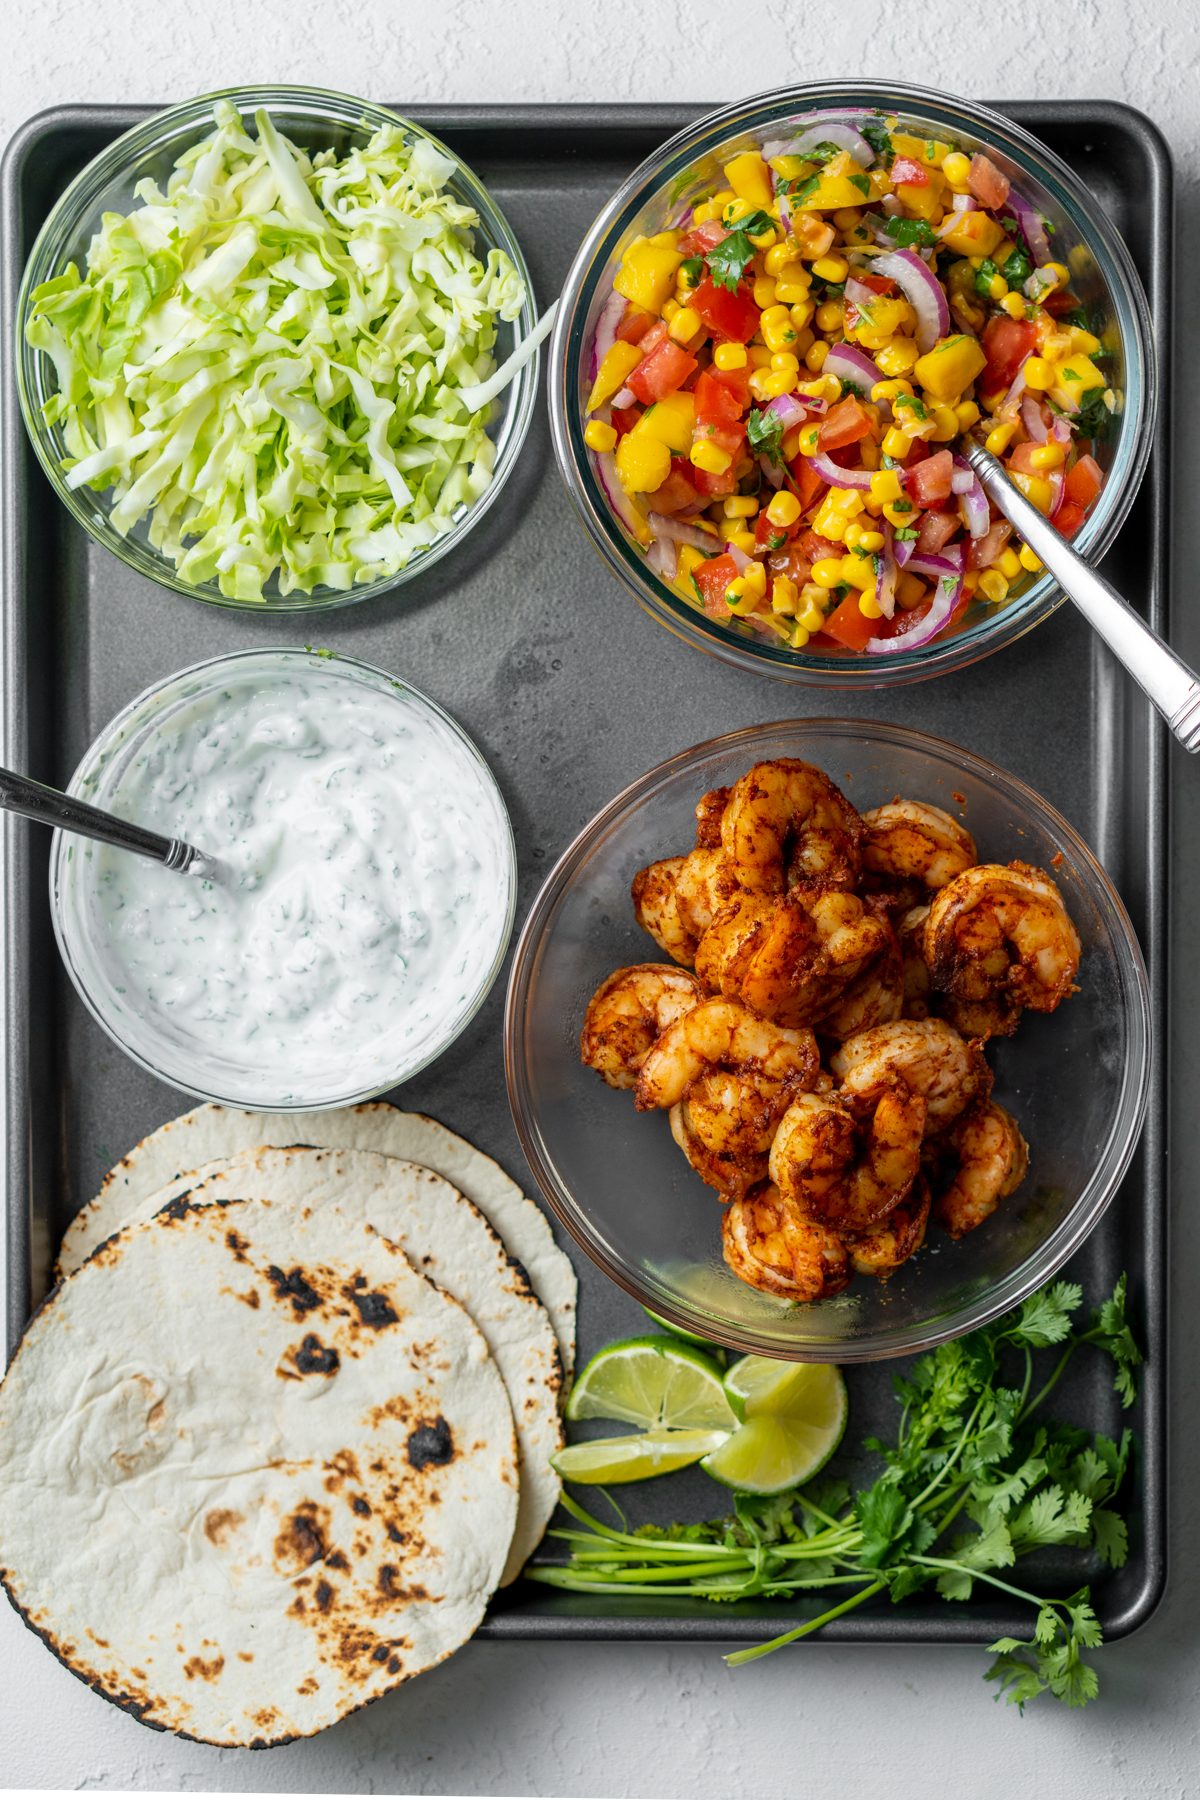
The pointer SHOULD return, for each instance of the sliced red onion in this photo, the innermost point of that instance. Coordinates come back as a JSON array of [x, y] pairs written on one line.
[[1060, 431], [789, 408], [891, 206], [1058, 492], [886, 573], [1030, 222], [1017, 389], [633, 521], [948, 562], [923, 291], [852, 365], [623, 398], [964, 203], [739, 556], [858, 293], [836, 476], [781, 198], [771, 471], [1034, 420], [611, 315], [663, 557], [844, 136], [946, 603], [904, 549], [976, 514], [663, 525]]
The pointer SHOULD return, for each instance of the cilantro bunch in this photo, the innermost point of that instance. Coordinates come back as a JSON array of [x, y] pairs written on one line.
[[976, 1480]]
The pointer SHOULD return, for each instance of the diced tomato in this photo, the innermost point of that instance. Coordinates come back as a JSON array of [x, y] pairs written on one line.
[[726, 434], [702, 238], [736, 381], [987, 183], [929, 481], [935, 531], [769, 536], [713, 578], [1068, 518], [624, 418], [715, 487], [1084, 481], [814, 546], [635, 325], [677, 493], [907, 170], [878, 284], [808, 484], [714, 400], [728, 315], [1006, 344], [659, 374], [791, 563], [1060, 302], [845, 423], [656, 335], [1020, 457], [849, 625], [982, 552]]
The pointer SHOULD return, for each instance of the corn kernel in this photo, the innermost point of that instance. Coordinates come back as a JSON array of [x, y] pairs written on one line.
[[1029, 559], [764, 239], [992, 585], [670, 308], [802, 312], [686, 280], [813, 616], [852, 534], [809, 440], [886, 486], [1039, 374], [899, 512], [741, 539], [970, 581], [791, 444], [778, 257], [1060, 272], [764, 291], [868, 449], [736, 597], [705, 213], [888, 390], [710, 458], [997, 287], [1009, 563], [798, 638], [730, 356], [758, 356], [967, 414], [814, 356], [792, 284], [999, 438], [822, 387], [945, 423], [830, 314], [896, 443], [956, 168], [858, 572], [870, 540], [1013, 305], [869, 606], [897, 356], [684, 325], [784, 593], [847, 219], [1047, 456], [910, 590], [778, 332], [804, 337], [598, 436], [772, 384], [784, 509], [740, 506], [733, 210], [814, 597], [1036, 489], [831, 268], [827, 573]]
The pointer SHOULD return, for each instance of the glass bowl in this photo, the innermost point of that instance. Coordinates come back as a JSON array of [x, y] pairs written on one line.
[[158, 1038], [316, 120], [1103, 276], [1076, 1080]]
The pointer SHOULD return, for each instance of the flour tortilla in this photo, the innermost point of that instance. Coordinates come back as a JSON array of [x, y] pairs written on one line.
[[211, 1132], [255, 1471], [448, 1240]]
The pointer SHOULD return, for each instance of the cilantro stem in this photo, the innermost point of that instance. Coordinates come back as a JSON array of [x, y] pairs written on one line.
[[738, 1657], [1043, 1393], [944, 1562]]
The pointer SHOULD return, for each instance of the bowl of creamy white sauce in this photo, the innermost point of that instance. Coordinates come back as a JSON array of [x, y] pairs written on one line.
[[363, 894]]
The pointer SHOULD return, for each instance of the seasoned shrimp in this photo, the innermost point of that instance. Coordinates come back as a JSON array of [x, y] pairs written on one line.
[[882, 1250], [848, 1161], [992, 1158], [1002, 934], [791, 958], [785, 820], [675, 900], [710, 809], [628, 1012], [728, 1077], [918, 983], [770, 1242], [876, 997], [912, 849], [927, 1054]]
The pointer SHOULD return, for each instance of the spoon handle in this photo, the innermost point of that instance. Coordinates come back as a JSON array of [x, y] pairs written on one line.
[[19, 794], [1163, 677]]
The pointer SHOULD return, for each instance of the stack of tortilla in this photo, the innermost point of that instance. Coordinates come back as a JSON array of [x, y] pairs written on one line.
[[286, 1421]]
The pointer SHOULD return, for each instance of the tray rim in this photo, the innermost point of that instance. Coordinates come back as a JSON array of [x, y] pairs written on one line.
[[17, 996]]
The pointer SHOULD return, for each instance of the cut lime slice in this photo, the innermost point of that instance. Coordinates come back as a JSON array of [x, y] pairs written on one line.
[[606, 1461], [758, 1385], [652, 1381], [688, 1337]]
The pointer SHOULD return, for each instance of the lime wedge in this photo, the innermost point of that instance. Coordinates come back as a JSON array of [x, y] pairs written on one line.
[[606, 1461], [688, 1337], [657, 1382], [777, 1449]]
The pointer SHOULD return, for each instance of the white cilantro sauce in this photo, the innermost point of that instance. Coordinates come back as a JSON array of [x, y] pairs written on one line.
[[360, 902]]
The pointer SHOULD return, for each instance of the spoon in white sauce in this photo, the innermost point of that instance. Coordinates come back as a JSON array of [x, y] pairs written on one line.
[[33, 800]]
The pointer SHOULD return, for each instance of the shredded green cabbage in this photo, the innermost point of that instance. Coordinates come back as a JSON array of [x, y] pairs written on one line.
[[263, 361]]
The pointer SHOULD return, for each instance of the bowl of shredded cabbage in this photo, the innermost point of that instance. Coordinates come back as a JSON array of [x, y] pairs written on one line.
[[271, 348]]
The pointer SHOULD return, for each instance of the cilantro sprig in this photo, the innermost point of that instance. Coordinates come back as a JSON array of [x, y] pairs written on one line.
[[728, 260], [764, 433], [976, 1479]]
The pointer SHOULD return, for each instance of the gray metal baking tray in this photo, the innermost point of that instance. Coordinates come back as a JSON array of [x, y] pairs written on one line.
[[571, 691]]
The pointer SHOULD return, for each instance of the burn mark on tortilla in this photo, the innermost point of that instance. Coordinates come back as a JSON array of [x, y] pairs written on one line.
[[379, 1653], [323, 1596], [375, 1310], [315, 1358], [295, 1288], [304, 1539], [396, 1535], [336, 1560], [387, 1581], [237, 1244], [362, 1506], [196, 1669], [220, 1524], [432, 1443], [179, 1208]]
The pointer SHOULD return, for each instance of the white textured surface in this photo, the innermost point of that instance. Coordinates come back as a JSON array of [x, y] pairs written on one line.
[[607, 1719]]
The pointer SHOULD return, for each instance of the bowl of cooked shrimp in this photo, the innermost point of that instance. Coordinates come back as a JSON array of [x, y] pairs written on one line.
[[828, 1040]]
